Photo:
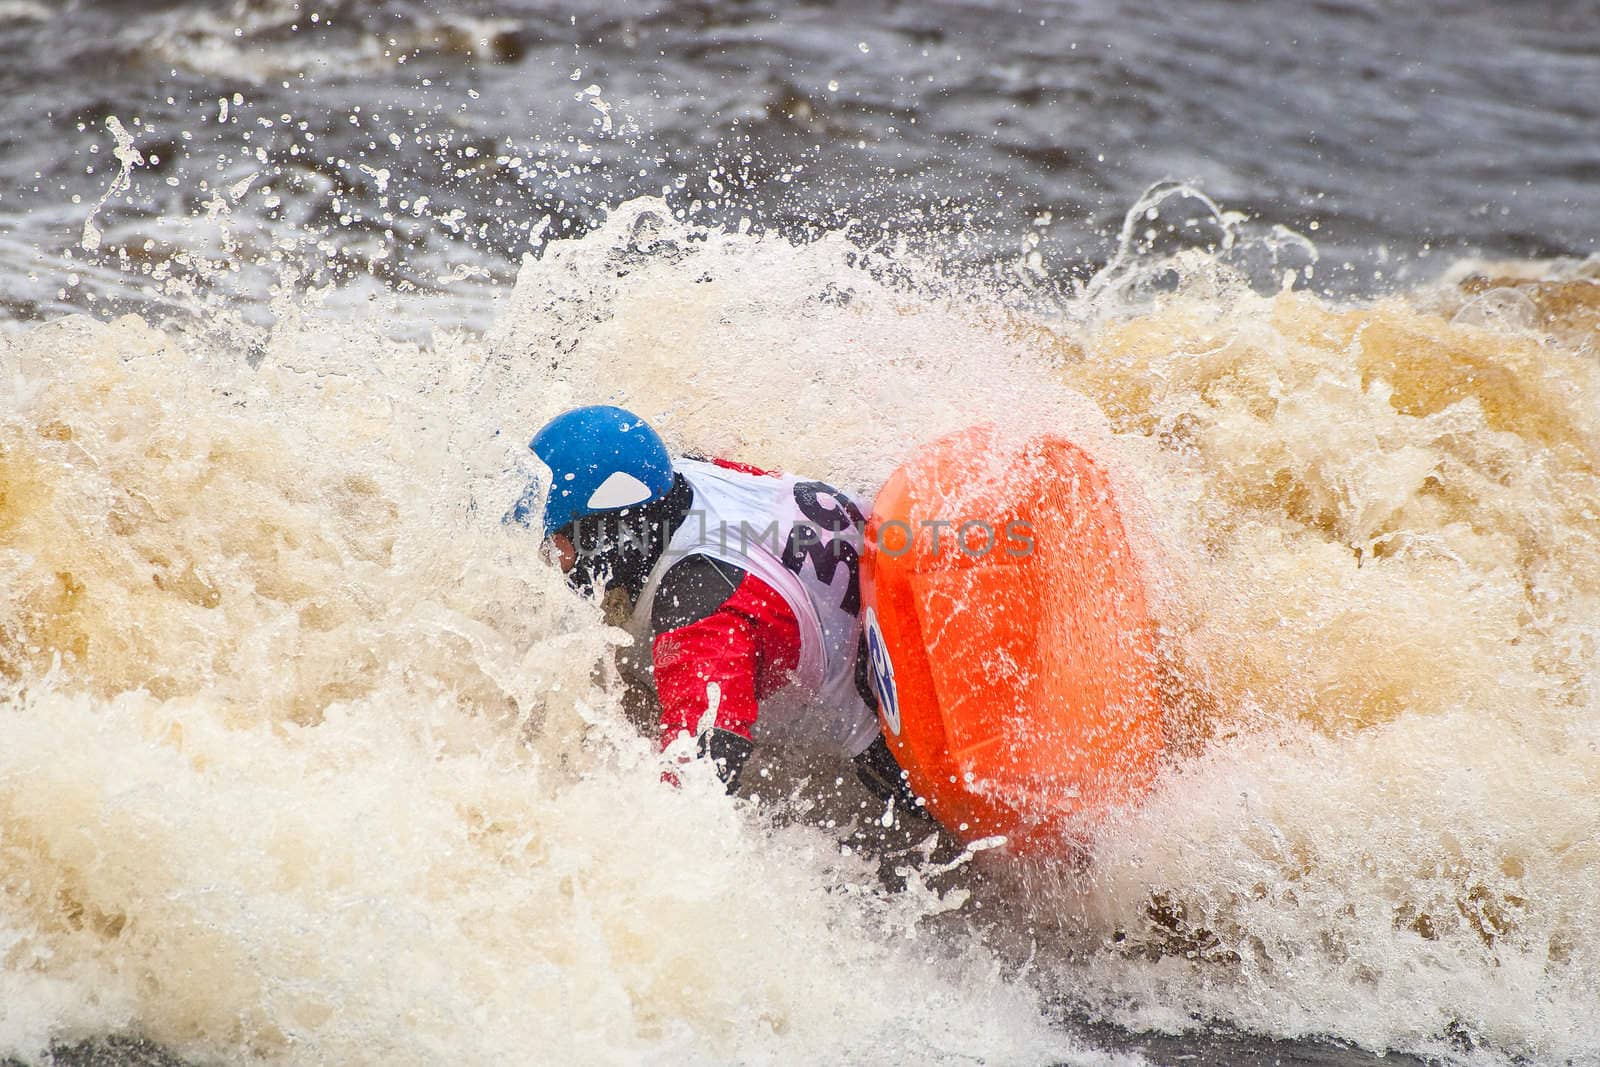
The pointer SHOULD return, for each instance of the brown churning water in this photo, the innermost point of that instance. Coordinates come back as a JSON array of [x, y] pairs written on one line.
[[304, 756], [307, 757]]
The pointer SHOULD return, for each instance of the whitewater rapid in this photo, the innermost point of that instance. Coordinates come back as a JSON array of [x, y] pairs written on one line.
[[308, 757]]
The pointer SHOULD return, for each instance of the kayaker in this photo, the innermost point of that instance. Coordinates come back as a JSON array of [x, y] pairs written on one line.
[[743, 584]]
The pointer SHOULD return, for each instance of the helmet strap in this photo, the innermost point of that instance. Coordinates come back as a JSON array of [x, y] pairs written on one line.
[[621, 548]]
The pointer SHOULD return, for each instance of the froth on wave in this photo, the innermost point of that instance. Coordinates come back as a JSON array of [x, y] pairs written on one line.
[[308, 758]]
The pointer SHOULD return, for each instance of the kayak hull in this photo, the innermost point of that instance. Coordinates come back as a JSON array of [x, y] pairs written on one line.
[[1009, 642]]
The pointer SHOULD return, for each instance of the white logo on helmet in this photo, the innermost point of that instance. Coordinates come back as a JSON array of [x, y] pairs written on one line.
[[621, 490]]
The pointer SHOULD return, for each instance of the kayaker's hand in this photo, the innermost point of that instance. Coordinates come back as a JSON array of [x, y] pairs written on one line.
[[727, 751]]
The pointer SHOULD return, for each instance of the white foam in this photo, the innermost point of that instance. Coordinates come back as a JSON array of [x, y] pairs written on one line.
[[332, 768]]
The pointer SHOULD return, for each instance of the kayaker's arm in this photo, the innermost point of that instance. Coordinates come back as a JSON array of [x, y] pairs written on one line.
[[723, 641]]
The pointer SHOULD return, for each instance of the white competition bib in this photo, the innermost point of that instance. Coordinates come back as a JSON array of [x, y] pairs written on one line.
[[803, 538]]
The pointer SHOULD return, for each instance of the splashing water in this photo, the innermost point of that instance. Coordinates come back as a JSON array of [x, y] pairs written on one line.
[[1380, 570], [308, 758]]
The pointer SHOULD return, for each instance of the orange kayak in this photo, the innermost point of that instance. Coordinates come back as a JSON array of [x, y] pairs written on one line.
[[1009, 642]]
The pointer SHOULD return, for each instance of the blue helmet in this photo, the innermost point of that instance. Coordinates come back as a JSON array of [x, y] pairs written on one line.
[[601, 459]]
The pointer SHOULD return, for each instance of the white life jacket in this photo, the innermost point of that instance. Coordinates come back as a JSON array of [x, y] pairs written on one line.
[[756, 522]]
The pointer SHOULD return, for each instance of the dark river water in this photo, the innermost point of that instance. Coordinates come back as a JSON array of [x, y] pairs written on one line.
[[1393, 136]]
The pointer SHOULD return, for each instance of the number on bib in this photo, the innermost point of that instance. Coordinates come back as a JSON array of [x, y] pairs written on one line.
[[805, 545]]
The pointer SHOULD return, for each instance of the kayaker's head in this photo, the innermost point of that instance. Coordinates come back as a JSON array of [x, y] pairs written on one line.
[[611, 501]]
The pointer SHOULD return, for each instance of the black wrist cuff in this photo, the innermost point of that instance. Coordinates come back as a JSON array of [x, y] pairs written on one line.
[[727, 751]]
